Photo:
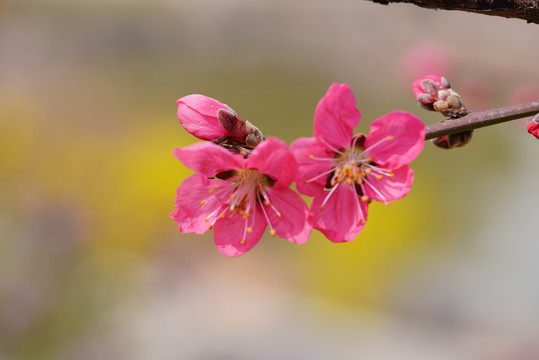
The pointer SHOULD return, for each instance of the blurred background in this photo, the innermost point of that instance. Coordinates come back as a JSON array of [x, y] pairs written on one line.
[[92, 267]]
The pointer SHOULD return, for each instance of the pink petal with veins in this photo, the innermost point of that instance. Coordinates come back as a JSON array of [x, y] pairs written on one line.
[[309, 169], [229, 232], [208, 158], [336, 116], [390, 188], [292, 223], [272, 157], [395, 139], [196, 209], [341, 220]]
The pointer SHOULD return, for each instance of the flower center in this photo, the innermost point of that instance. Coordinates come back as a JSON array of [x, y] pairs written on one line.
[[355, 167], [242, 192]]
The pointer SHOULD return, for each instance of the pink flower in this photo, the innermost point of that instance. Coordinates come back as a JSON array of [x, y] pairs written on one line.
[[238, 197], [533, 126], [344, 172], [209, 119]]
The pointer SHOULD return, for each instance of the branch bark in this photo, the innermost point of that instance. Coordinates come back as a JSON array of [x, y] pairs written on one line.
[[478, 119], [521, 9]]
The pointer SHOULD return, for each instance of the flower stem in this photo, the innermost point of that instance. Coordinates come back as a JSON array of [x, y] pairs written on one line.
[[478, 119]]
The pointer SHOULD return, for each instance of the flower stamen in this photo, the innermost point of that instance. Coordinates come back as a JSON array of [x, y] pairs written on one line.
[[323, 141], [328, 196]]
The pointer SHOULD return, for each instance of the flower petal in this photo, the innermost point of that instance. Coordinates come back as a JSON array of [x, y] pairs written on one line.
[[390, 188], [273, 157], [395, 139], [341, 219], [198, 115], [288, 214], [196, 208], [229, 232], [308, 169], [208, 158], [336, 116]]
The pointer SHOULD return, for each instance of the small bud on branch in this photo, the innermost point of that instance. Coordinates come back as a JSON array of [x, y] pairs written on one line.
[[479, 119], [533, 126]]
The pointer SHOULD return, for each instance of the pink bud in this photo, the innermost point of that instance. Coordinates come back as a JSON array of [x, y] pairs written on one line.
[[533, 126], [198, 115], [427, 87], [211, 120], [434, 93]]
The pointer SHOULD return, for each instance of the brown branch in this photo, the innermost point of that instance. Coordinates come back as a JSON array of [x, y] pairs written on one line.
[[478, 119], [521, 9]]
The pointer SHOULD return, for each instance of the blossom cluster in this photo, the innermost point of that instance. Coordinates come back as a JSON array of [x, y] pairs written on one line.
[[242, 180]]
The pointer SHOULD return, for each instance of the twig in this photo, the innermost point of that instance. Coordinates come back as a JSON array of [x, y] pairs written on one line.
[[478, 119], [521, 9]]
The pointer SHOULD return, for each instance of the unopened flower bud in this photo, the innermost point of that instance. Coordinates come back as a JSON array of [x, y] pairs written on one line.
[[453, 140], [533, 126], [209, 119], [434, 93]]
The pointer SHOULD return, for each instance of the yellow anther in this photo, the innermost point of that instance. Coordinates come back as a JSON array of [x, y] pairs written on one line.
[[386, 203], [365, 198], [305, 182], [311, 156], [379, 177], [249, 230], [368, 171], [210, 227], [243, 241], [222, 216], [392, 175], [349, 181], [245, 216], [267, 203], [362, 174], [210, 191], [359, 181], [371, 158], [390, 137], [273, 232], [233, 195], [202, 202], [205, 219]]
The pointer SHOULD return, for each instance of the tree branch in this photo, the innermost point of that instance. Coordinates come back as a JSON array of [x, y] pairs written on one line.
[[478, 119], [521, 9]]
